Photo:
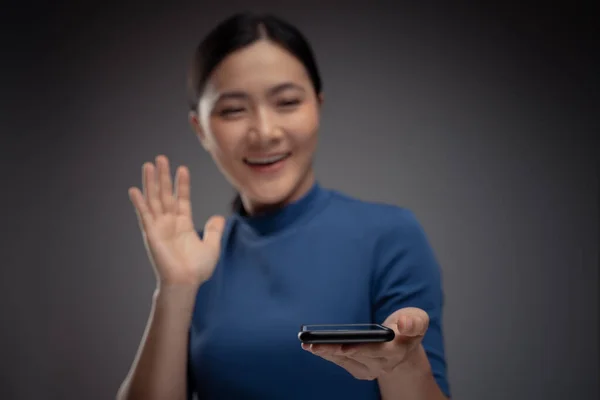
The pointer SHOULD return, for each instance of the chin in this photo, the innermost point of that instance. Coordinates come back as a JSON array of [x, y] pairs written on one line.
[[271, 193]]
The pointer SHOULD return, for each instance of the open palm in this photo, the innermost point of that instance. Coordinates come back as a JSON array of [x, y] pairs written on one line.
[[178, 254]]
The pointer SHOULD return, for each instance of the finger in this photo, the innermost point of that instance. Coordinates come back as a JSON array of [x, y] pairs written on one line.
[[184, 205], [151, 189], [346, 350], [372, 350], [213, 231], [165, 185], [412, 325], [325, 348], [333, 353], [354, 367], [142, 211]]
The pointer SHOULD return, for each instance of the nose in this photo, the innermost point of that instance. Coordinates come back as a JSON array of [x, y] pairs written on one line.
[[264, 126]]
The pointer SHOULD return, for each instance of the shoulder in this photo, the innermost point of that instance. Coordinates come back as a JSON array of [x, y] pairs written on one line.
[[376, 218], [392, 233]]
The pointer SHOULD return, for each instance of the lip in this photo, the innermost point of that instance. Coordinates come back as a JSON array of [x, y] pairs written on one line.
[[267, 155], [270, 168]]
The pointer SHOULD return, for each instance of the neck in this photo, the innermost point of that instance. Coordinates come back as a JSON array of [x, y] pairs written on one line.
[[256, 208]]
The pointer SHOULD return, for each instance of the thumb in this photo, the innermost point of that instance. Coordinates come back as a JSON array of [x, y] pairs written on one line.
[[213, 231], [412, 322]]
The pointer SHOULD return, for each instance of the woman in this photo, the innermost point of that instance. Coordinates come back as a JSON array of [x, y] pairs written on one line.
[[230, 299]]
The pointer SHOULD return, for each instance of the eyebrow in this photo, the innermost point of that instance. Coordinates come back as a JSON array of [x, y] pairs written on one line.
[[240, 95], [284, 86]]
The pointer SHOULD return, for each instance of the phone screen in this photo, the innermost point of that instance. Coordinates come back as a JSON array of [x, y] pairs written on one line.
[[343, 327]]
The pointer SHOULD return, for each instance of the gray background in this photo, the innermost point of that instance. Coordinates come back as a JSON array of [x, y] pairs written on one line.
[[479, 120]]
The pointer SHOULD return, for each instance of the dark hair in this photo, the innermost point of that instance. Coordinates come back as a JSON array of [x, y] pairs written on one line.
[[236, 32]]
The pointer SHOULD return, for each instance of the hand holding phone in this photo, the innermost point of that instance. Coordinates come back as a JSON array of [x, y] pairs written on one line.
[[345, 334], [368, 360]]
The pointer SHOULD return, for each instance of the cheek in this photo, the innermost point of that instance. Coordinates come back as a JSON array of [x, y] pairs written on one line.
[[226, 138], [304, 128]]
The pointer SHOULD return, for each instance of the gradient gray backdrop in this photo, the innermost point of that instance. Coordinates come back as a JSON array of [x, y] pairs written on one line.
[[481, 121]]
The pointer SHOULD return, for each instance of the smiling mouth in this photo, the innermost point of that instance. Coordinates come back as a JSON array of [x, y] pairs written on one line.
[[266, 161]]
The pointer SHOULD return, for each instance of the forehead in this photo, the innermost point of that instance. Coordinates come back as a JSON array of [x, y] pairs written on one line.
[[260, 65]]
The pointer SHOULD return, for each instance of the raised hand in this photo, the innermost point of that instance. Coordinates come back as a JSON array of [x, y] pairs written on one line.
[[179, 256]]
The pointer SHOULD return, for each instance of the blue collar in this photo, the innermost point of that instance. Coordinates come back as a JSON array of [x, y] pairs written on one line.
[[277, 220]]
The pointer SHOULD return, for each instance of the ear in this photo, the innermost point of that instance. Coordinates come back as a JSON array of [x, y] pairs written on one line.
[[194, 120], [320, 98]]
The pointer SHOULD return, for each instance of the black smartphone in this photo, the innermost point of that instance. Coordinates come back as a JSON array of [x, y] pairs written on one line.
[[345, 333]]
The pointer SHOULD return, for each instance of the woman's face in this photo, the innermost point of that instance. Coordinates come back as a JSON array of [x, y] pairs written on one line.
[[258, 117]]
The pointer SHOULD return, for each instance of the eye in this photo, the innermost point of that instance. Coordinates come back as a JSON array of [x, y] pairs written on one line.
[[230, 111], [288, 103]]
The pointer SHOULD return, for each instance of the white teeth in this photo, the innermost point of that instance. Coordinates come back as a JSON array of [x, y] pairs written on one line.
[[269, 160]]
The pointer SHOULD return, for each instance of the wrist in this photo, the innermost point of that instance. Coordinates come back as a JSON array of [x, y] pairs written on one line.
[[415, 363], [412, 379], [177, 297]]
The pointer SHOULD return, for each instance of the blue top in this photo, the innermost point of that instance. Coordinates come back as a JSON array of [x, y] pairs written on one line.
[[325, 259]]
